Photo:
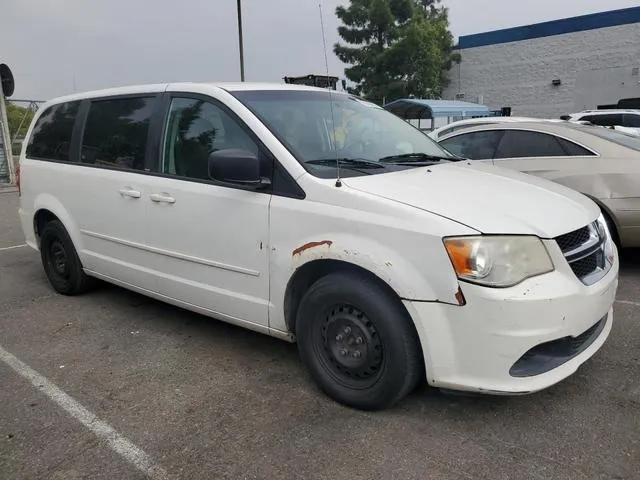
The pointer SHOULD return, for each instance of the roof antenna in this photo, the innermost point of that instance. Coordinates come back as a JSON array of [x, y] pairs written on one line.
[[333, 118]]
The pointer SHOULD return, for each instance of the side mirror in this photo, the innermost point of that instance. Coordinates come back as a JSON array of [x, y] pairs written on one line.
[[237, 167]]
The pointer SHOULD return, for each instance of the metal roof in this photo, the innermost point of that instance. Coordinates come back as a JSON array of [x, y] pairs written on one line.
[[582, 23], [417, 108]]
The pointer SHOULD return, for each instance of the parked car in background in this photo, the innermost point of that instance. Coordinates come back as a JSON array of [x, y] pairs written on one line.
[[628, 120], [473, 122], [386, 258], [601, 163]]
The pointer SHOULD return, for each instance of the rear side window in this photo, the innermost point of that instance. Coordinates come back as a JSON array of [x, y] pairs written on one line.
[[521, 143], [631, 120], [115, 133], [51, 135], [604, 120]]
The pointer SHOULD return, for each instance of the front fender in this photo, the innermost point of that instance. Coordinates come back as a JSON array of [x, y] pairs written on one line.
[[393, 266], [387, 264]]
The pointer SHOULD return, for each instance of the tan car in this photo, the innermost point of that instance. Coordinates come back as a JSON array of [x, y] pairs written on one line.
[[601, 163]]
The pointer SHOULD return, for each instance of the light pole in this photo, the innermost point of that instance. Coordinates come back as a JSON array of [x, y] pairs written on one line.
[[241, 47]]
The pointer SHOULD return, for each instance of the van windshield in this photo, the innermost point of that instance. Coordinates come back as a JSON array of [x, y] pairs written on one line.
[[320, 128]]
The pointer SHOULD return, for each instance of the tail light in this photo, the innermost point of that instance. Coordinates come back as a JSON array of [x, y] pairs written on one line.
[[18, 179]]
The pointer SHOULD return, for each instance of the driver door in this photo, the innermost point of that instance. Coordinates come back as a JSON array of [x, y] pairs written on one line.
[[210, 239]]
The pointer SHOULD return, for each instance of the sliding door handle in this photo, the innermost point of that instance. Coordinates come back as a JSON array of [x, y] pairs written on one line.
[[162, 198]]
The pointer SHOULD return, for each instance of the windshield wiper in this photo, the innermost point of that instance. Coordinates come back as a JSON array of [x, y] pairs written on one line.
[[348, 162], [417, 159]]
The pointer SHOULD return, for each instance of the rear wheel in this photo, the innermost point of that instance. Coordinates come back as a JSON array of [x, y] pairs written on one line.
[[60, 261], [357, 341]]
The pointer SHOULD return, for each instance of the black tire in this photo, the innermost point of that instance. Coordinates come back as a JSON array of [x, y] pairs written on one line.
[[60, 261], [351, 312]]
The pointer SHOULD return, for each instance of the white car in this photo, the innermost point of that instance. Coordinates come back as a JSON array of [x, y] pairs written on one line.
[[624, 120], [316, 217], [474, 122], [450, 128]]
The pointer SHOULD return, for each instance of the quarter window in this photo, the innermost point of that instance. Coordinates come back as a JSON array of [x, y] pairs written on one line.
[[51, 135], [520, 143], [115, 134], [573, 149], [196, 128]]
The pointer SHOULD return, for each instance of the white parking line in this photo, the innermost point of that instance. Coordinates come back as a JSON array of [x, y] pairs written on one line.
[[101, 429], [628, 302], [13, 247]]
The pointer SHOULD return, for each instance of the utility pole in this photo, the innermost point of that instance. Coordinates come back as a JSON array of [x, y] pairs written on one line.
[[240, 43]]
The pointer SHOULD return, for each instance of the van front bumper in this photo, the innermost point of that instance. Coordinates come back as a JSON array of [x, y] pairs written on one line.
[[516, 340]]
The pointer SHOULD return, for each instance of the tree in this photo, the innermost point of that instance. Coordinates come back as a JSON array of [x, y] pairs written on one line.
[[17, 115], [395, 48]]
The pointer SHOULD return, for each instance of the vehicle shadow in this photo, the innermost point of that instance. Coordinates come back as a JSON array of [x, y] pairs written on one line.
[[254, 351], [629, 259], [260, 390]]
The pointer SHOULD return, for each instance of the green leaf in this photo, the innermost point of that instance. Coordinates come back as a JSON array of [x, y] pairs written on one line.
[[395, 48]]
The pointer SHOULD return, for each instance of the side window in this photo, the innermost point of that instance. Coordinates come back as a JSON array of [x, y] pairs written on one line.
[[608, 120], [455, 128], [573, 149], [51, 135], [520, 143], [194, 129], [115, 133], [631, 120], [475, 145], [446, 131]]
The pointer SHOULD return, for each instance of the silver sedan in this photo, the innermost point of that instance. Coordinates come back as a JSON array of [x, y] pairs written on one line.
[[601, 163]]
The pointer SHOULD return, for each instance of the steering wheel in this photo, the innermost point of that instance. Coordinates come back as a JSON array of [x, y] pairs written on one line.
[[361, 143]]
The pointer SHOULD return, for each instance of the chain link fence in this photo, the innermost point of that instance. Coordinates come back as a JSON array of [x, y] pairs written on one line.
[[19, 115]]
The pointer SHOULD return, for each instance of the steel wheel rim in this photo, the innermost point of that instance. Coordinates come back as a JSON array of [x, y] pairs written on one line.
[[350, 347], [58, 260]]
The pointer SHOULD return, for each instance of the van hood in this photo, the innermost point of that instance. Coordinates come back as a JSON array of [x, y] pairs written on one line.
[[489, 199]]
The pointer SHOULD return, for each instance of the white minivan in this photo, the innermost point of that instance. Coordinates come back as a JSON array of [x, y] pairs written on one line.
[[314, 216]]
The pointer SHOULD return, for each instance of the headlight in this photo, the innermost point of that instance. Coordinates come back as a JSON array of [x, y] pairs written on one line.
[[498, 261], [609, 246]]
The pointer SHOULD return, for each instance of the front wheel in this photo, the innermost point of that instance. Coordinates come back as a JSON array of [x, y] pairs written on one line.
[[358, 342]]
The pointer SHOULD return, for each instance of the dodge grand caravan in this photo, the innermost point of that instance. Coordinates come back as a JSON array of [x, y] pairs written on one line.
[[314, 216]]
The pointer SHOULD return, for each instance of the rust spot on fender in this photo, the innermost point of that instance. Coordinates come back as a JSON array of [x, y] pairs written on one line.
[[460, 298], [309, 245]]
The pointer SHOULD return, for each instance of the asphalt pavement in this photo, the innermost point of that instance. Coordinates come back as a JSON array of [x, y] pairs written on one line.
[[111, 384]]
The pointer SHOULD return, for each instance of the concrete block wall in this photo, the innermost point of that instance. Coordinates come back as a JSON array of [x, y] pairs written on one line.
[[519, 74]]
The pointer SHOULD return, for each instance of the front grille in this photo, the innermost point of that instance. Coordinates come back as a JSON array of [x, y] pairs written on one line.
[[547, 356], [572, 240], [584, 251], [588, 265]]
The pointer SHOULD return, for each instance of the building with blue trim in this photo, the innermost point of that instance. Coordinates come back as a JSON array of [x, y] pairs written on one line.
[[552, 68]]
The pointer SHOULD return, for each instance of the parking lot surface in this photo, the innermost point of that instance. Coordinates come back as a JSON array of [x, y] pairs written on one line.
[[185, 396]]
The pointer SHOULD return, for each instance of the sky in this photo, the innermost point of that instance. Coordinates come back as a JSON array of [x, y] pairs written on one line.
[[56, 47]]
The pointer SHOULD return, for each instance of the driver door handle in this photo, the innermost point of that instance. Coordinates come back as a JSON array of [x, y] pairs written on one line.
[[162, 198]]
